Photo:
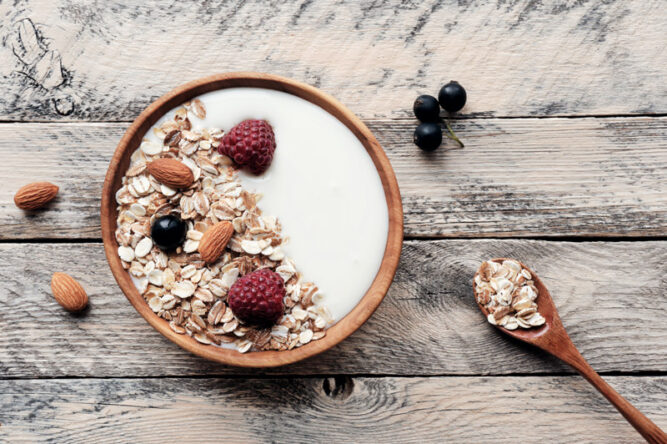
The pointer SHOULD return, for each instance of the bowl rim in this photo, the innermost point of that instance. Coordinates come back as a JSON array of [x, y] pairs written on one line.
[[339, 331]]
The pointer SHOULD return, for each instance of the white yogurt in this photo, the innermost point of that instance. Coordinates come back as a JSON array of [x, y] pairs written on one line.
[[322, 186]]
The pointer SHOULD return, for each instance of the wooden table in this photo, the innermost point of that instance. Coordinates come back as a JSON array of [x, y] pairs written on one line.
[[564, 168]]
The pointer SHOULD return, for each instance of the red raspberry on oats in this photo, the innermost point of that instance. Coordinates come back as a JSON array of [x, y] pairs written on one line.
[[257, 298], [250, 144]]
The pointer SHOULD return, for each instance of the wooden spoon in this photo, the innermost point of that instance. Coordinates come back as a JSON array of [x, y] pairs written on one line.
[[552, 338]]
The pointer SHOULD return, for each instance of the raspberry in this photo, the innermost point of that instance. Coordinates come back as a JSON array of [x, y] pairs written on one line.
[[257, 298], [251, 143]]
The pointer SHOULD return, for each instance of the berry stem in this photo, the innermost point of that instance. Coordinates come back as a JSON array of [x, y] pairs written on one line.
[[451, 134]]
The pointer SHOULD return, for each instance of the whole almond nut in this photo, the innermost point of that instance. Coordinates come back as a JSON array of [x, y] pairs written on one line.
[[171, 172], [214, 241], [35, 195], [68, 292]]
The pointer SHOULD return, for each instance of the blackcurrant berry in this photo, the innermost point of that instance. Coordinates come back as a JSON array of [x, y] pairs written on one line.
[[452, 97], [168, 232], [426, 108], [428, 136]]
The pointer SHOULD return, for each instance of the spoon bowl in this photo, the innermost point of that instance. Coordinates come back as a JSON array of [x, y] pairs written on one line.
[[546, 307], [552, 338]]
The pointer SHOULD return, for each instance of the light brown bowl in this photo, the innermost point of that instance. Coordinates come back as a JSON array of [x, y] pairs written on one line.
[[340, 330]]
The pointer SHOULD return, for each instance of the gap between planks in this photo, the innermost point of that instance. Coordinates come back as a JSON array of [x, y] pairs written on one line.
[[469, 116], [573, 239], [351, 375]]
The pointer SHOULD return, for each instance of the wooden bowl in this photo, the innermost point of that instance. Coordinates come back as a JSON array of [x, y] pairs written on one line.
[[342, 328]]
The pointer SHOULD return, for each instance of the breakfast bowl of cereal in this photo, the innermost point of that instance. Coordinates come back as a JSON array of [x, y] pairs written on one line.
[[251, 219]]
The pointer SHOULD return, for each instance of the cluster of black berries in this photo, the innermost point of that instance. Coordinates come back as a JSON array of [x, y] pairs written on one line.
[[428, 134]]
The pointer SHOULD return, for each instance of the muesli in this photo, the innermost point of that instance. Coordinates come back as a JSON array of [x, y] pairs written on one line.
[[506, 290], [177, 284]]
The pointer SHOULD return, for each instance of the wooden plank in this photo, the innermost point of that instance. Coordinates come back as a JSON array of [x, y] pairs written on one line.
[[109, 60], [406, 410], [535, 177], [516, 177], [611, 297]]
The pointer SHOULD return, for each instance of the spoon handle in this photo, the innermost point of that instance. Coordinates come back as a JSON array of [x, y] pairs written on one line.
[[647, 428]]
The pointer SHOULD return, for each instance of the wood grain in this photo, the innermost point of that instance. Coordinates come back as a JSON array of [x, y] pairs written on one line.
[[552, 338], [611, 297], [386, 410], [516, 177], [73, 62], [108, 60]]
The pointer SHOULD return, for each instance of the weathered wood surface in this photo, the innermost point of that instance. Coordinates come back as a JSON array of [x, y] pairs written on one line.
[[77, 63], [387, 410], [516, 177], [611, 297], [108, 60]]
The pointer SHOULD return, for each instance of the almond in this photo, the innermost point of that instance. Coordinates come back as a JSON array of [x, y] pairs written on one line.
[[171, 172], [68, 292], [214, 241], [35, 195]]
